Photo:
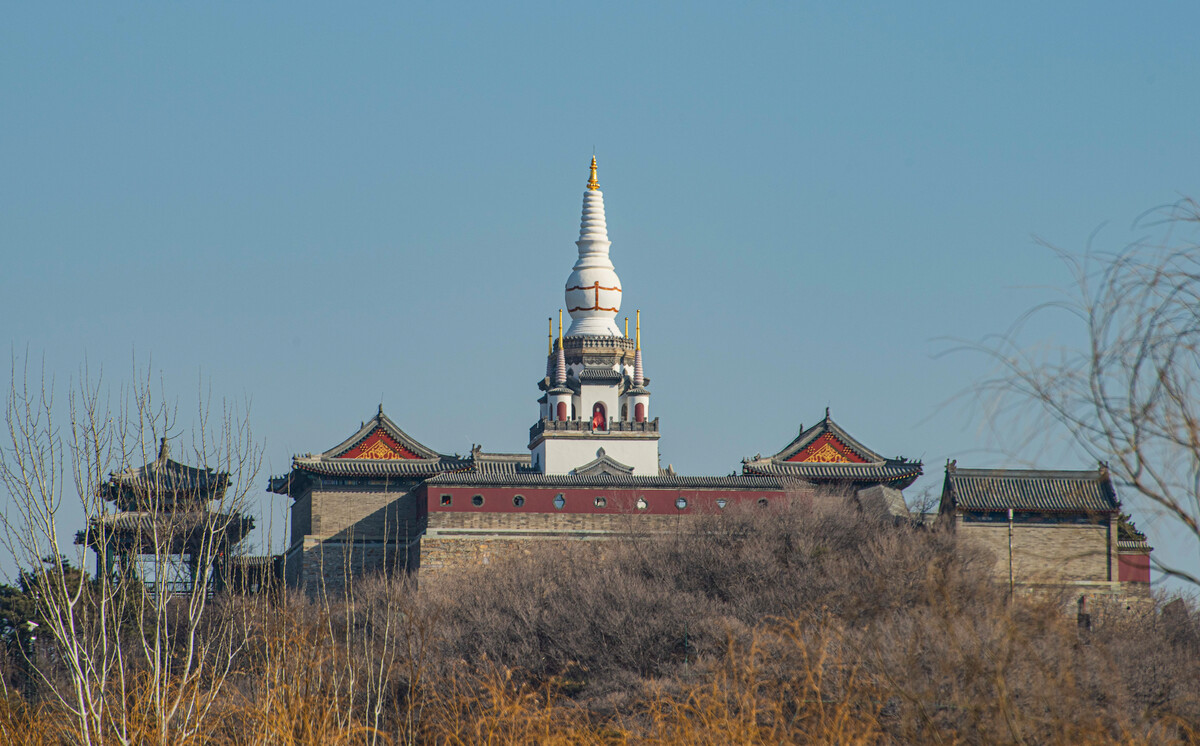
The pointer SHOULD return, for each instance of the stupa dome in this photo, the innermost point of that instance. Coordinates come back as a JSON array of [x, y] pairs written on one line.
[[593, 291]]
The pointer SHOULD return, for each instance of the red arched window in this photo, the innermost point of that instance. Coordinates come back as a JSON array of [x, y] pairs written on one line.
[[562, 411], [599, 421], [639, 412]]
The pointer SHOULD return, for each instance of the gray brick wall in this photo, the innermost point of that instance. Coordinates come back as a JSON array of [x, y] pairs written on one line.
[[1044, 553], [368, 513]]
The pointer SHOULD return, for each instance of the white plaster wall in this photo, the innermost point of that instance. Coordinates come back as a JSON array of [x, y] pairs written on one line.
[[552, 412], [605, 394], [560, 455], [633, 402]]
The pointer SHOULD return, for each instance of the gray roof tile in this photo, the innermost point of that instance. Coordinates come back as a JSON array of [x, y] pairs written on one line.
[[1030, 490]]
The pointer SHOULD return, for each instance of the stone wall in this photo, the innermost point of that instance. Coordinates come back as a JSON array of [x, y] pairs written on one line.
[[366, 513], [301, 518], [343, 531], [328, 566], [1045, 553]]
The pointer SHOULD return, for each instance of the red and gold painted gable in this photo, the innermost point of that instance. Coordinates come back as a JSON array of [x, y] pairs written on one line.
[[379, 445], [827, 449]]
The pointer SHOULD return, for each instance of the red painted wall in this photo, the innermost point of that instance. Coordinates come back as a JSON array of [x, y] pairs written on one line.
[[1133, 568], [583, 500]]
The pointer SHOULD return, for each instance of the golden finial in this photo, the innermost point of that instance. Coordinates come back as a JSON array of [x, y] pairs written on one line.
[[626, 327], [560, 344], [639, 329], [592, 183], [550, 334]]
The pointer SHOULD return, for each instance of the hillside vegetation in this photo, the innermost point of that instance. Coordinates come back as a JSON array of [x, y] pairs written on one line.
[[789, 626]]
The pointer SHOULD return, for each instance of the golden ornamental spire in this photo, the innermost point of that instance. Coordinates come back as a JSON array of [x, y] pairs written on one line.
[[550, 334], [560, 338], [639, 330], [626, 327], [592, 183]]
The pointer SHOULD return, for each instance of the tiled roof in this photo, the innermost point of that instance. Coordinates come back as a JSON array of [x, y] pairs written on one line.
[[599, 374], [164, 479], [887, 472], [1029, 490], [603, 464], [611, 480], [501, 463], [1134, 546], [167, 527], [368, 467], [897, 473]]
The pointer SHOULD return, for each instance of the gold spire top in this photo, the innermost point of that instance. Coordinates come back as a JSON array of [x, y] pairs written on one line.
[[560, 341], [639, 329], [550, 334], [592, 183], [626, 327]]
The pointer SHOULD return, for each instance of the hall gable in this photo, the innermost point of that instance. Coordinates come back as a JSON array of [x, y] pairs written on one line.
[[378, 445], [826, 443], [827, 449], [380, 439], [827, 453]]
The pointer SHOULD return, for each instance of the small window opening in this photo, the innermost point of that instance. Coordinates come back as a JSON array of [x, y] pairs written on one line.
[[642, 504], [601, 502], [681, 502], [559, 501], [721, 503], [477, 500], [762, 502], [518, 500], [447, 500]]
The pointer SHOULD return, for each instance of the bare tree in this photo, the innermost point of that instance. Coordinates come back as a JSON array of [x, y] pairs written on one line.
[[1129, 392], [132, 662]]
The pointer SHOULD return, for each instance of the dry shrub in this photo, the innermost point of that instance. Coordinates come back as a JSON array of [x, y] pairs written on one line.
[[789, 626], [790, 684], [22, 724]]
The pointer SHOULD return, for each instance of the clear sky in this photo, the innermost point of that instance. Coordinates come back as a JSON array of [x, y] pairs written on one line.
[[317, 207]]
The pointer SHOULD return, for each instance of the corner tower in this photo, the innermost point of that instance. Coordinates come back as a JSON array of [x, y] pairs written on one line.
[[595, 413]]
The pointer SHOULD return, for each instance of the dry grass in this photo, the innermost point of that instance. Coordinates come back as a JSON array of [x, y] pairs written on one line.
[[790, 628]]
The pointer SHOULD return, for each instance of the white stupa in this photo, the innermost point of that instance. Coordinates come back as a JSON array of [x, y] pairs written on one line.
[[593, 289], [595, 412]]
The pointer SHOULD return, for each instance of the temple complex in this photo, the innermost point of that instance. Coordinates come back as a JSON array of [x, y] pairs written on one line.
[[382, 501]]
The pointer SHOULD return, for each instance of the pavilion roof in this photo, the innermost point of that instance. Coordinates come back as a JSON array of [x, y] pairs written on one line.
[[164, 480], [380, 449], [825, 452], [1035, 490]]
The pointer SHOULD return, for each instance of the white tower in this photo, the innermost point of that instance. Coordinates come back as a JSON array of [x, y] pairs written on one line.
[[595, 412], [593, 289]]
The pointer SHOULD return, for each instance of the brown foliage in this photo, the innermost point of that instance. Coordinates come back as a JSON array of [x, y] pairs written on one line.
[[798, 626]]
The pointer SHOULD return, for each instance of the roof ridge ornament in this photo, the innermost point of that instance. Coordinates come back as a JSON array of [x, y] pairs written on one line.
[[592, 184]]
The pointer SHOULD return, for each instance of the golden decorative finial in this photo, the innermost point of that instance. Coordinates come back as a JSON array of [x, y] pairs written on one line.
[[639, 329], [592, 183], [626, 327], [550, 334], [560, 344]]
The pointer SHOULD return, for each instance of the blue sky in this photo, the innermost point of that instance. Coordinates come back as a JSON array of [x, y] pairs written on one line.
[[314, 207]]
